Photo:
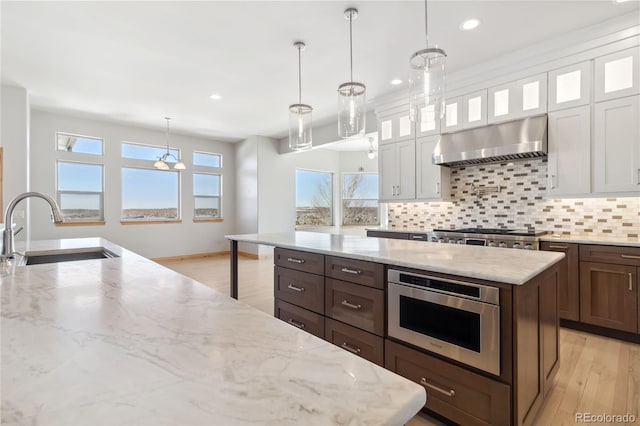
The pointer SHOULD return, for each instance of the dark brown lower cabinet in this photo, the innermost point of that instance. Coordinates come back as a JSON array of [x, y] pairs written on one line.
[[300, 318], [568, 279], [359, 342], [453, 392], [609, 295]]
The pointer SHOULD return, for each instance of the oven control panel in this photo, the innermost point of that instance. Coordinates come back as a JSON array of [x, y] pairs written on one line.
[[521, 243]]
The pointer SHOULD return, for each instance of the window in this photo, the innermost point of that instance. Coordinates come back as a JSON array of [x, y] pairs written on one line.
[[149, 194], [206, 196], [147, 152], [207, 160], [360, 199], [79, 192], [79, 144], [314, 198]]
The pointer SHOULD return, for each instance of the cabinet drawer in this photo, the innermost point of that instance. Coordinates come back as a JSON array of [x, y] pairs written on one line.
[[457, 394], [300, 318], [357, 305], [300, 288], [419, 237], [385, 234], [610, 254], [367, 345], [299, 260], [356, 271]]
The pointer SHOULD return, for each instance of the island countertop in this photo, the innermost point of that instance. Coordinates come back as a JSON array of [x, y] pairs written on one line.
[[127, 341], [495, 264]]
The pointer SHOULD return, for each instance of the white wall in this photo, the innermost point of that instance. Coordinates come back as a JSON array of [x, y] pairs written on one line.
[[14, 139], [150, 240], [355, 161], [247, 190]]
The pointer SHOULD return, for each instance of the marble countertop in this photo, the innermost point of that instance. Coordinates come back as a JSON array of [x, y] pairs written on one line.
[[498, 264], [127, 341]]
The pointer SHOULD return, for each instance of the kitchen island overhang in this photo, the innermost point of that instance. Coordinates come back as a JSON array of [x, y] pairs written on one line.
[[127, 341]]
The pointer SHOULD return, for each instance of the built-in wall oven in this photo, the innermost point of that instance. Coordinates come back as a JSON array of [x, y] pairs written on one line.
[[456, 319]]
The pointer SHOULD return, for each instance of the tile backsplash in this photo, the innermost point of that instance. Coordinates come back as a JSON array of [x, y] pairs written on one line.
[[521, 203]]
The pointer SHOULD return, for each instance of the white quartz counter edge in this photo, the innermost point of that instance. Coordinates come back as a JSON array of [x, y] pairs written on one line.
[[127, 341], [496, 264]]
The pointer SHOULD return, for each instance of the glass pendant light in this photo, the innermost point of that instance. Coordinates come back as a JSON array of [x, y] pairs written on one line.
[[300, 114], [351, 95], [427, 77], [161, 163], [372, 152]]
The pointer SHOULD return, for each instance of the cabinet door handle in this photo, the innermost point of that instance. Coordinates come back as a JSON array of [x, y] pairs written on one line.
[[630, 281], [351, 271], [294, 260], [351, 305], [418, 237], [628, 256], [398, 190], [350, 348], [558, 247], [449, 392], [552, 181], [293, 287], [638, 176], [438, 188], [296, 323], [394, 191]]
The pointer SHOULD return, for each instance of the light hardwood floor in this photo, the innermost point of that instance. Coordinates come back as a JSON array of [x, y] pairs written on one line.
[[598, 375]]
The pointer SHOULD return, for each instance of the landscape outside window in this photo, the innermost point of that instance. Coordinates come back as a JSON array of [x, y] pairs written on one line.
[[206, 195], [314, 198], [149, 194], [80, 191], [360, 199]]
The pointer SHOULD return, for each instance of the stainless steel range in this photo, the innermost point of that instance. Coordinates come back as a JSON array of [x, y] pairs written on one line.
[[507, 238]]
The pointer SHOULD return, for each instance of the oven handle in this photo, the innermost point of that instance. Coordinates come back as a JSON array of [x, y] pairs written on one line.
[[450, 392]]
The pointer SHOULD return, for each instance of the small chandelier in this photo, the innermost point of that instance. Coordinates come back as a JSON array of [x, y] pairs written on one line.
[[300, 114], [427, 77], [161, 163], [372, 152], [351, 95]]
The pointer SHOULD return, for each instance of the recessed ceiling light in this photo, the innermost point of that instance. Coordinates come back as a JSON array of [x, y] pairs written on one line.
[[469, 24], [215, 96], [396, 81]]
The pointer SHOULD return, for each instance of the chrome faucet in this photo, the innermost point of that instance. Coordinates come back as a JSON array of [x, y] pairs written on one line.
[[8, 231]]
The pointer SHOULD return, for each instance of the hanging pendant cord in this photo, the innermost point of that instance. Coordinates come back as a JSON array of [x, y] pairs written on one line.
[[299, 75], [426, 24], [167, 136], [351, 43]]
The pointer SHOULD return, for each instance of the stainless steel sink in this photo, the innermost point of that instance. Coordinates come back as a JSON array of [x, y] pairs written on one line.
[[66, 255]]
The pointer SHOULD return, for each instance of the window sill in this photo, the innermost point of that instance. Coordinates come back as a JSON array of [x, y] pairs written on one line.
[[210, 219], [83, 223], [149, 222]]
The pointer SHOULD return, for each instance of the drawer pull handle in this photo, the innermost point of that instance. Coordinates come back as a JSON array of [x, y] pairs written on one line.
[[294, 260], [350, 348], [418, 237], [351, 271], [558, 247], [628, 256], [351, 305], [449, 392], [630, 282], [293, 287], [296, 323]]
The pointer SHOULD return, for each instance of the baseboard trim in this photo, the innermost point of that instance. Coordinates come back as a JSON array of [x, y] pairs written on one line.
[[211, 254]]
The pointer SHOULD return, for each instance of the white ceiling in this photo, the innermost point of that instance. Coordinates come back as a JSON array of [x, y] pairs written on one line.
[[137, 62]]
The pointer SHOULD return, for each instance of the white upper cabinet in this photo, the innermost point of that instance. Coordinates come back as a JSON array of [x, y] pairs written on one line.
[[427, 123], [618, 74], [570, 86], [452, 120], [569, 159], [474, 109], [432, 181], [616, 148], [397, 171], [517, 99], [395, 126]]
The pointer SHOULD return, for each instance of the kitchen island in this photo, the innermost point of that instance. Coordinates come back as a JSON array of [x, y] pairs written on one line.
[[477, 327], [127, 341]]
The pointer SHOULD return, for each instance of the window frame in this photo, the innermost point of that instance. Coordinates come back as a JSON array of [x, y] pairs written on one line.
[[83, 159], [208, 170], [206, 153], [219, 197], [332, 207], [76, 135], [342, 200]]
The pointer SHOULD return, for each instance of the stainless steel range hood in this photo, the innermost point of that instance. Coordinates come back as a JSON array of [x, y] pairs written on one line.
[[513, 140]]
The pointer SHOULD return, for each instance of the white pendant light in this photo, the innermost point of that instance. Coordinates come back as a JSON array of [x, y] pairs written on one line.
[[351, 95], [427, 76], [300, 135], [161, 163], [372, 152]]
